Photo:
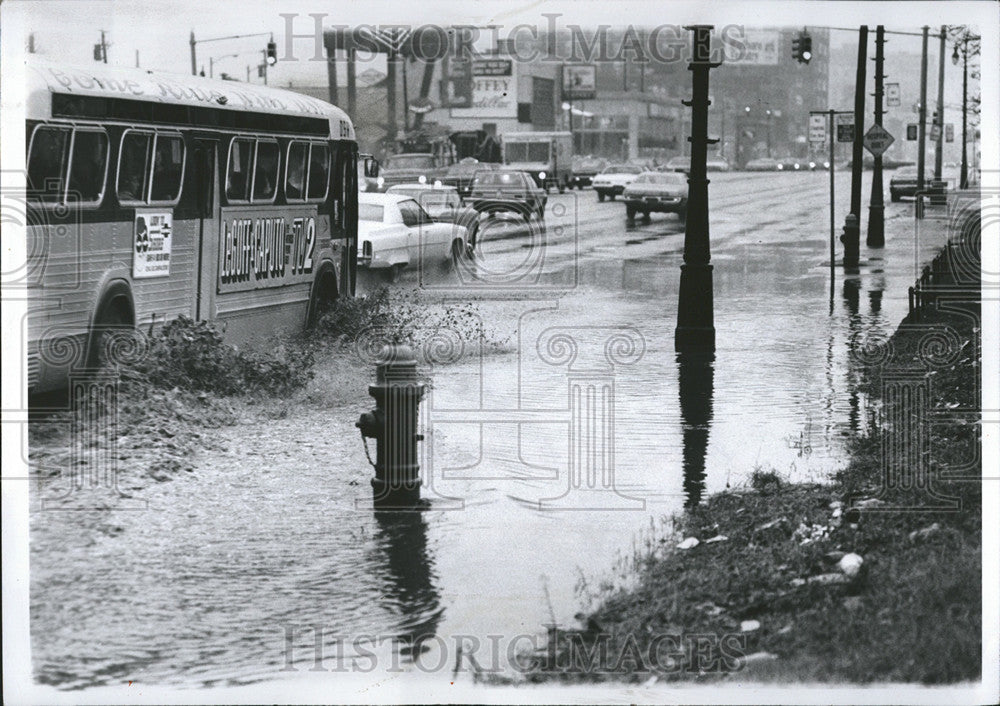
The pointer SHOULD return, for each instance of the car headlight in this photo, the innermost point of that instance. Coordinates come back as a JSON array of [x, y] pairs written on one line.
[[812, 165], [780, 167], [541, 175], [826, 165], [422, 179], [437, 183], [796, 165], [380, 181]]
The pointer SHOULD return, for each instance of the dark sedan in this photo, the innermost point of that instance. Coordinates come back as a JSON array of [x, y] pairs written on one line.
[[507, 190], [585, 169], [462, 174], [904, 182]]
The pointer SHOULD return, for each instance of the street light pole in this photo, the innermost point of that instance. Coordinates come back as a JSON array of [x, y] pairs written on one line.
[[876, 208], [767, 115], [852, 230], [695, 332], [922, 125]]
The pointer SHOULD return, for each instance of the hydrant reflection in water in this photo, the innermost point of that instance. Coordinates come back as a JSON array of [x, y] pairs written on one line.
[[393, 424]]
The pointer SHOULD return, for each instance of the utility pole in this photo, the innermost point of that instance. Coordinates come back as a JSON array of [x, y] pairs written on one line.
[[922, 125], [104, 48], [876, 208], [194, 60], [695, 331], [390, 85], [963, 179], [939, 148], [852, 229]]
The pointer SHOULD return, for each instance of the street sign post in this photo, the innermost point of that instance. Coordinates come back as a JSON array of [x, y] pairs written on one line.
[[935, 132], [892, 98], [817, 128], [829, 118], [845, 128], [911, 132], [877, 140], [949, 132]]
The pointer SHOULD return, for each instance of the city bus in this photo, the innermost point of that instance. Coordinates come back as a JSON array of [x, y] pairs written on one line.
[[153, 195]]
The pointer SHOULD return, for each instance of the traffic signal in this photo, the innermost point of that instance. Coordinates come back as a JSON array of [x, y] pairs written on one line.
[[272, 53], [802, 48]]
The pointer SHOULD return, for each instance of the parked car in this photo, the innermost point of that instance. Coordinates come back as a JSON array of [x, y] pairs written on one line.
[[507, 190], [677, 164], [461, 175], [443, 204], [717, 164], [612, 181], [763, 164], [406, 168], [904, 181], [657, 191], [395, 232], [585, 169]]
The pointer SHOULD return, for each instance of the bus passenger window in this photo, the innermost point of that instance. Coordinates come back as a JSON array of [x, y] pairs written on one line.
[[319, 171], [168, 166], [295, 176], [47, 164], [87, 168], [238, 174], [133, 166], [265, 179]]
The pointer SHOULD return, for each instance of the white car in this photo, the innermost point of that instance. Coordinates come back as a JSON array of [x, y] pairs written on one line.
[[394, 232], [613, 180]]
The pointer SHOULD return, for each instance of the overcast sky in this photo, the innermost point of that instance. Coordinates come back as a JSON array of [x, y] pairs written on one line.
[[67, 30]]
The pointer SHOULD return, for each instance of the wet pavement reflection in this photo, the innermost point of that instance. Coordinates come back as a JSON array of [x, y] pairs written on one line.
[[543, 462]]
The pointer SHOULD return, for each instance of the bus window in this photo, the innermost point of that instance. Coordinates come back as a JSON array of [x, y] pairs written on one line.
[[319, 172], [133, 166], [295, 172], [168, 168], [47, 163], [238, 173], [88, 167], [265, 180]]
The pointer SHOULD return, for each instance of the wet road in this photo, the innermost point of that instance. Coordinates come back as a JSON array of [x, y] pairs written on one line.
[[545, 465]]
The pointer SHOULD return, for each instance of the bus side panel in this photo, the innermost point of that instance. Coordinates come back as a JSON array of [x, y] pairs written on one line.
[[161, 298], [266, 262]]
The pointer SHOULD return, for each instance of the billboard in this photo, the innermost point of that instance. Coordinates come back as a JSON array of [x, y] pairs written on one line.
[[579, 81], [492, 89], [760, 47]]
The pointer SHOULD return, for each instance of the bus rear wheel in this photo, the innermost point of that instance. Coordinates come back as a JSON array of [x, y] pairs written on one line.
[[323, 298], [113, 315]]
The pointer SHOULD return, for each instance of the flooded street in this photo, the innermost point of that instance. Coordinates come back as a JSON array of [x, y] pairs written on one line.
[[544, 465]]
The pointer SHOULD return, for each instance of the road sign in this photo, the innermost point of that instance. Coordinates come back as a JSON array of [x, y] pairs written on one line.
[[911, 132], [845, 128], [817, 128], [892, 98], [935, 132], [877, 140], [949, 132]]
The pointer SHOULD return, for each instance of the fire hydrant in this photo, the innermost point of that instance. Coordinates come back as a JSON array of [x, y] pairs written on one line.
[[393, 424]]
